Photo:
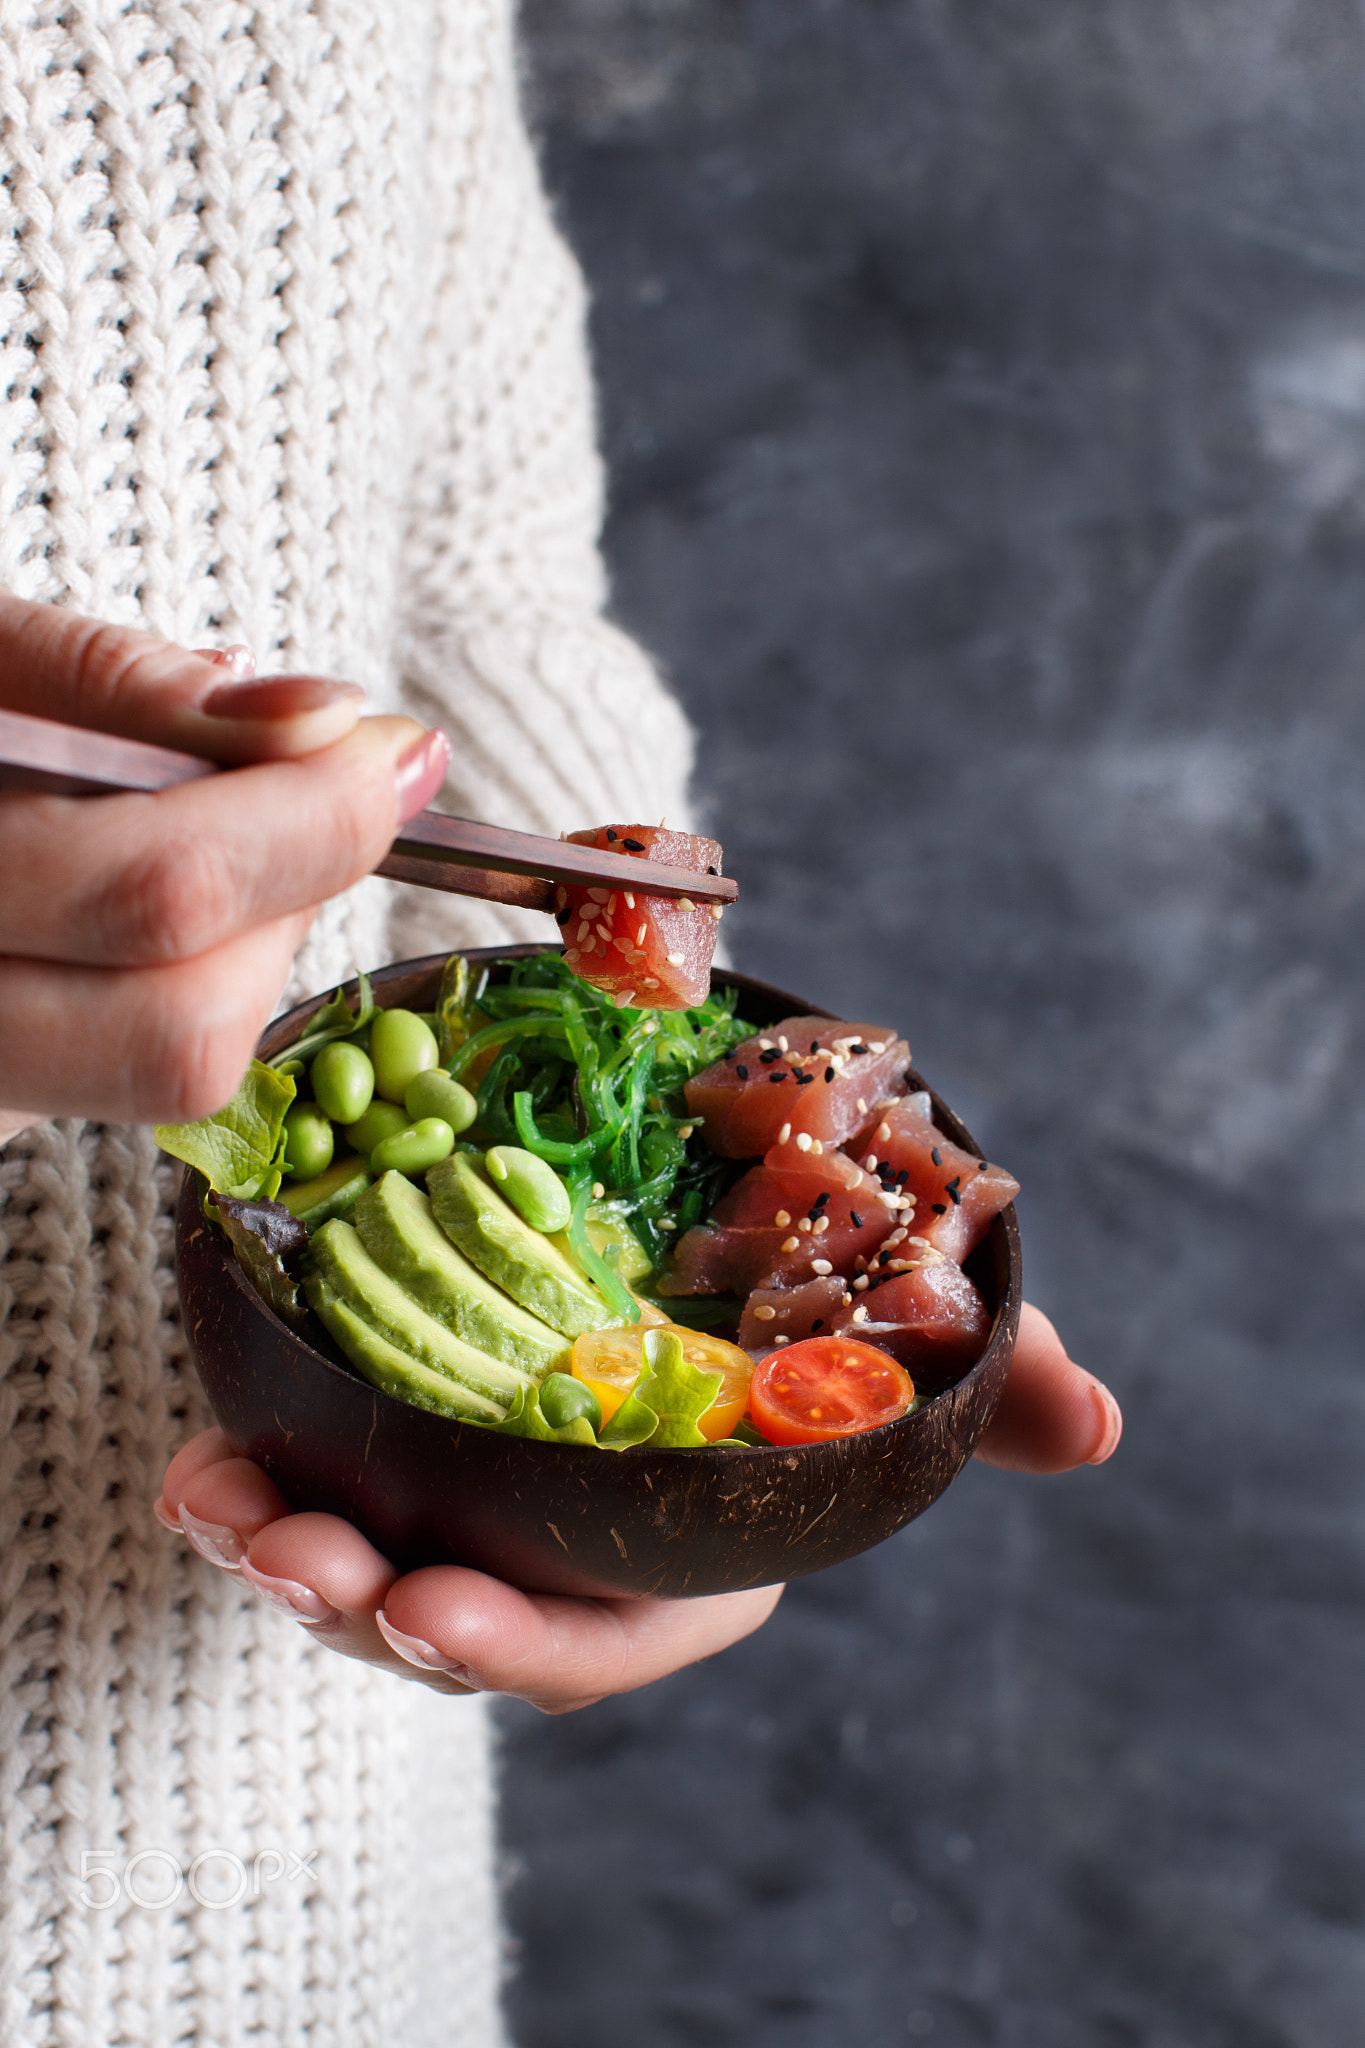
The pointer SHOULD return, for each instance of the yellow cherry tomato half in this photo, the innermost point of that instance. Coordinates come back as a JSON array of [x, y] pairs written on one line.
[[610, 1362]]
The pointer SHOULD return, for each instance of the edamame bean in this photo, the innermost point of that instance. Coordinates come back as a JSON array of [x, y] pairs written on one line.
[[308, 1141], [401, 1048], [343, 1082], [380, 1121], [435, 1094], [415, 1148], [563, 1400], [531, 1185]]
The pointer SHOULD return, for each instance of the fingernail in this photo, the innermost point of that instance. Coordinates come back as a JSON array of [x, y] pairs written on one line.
[[420, 774], [219, 1545], [287, 1596], [276, 697], [414, 1651], [165, 1517], [239, 662], [1111, 1422]]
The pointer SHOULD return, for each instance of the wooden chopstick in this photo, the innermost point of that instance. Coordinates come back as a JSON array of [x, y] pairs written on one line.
[[459, 855]]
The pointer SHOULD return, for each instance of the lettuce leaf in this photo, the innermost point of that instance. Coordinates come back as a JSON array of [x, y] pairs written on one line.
[[335, 1019], [263, 1236], [524, 1418], [663, 1407], [240, 1148]]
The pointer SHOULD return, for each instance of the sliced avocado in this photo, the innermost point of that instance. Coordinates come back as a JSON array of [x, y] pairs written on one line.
[[613, 1240], [400, 1234], [339, 1261], [384, 1366], [333, 1193], [508, 1252]]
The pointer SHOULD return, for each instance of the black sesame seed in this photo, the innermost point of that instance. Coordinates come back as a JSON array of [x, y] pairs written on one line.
[[815, 1045], [562, 916], [818, 1324], [939, 1208], [743, 1073], [902, 1177], [951, 1191], [803, 1078], [633, 845], [829, 1073], [610, 835], [859, 1049], [777, 1077], [855, 1219], [820, 1200], [713, 871], [769, 1054], [936, 1156]]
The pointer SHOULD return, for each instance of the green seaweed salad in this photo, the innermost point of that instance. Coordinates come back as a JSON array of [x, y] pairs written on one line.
[[543, 1064]]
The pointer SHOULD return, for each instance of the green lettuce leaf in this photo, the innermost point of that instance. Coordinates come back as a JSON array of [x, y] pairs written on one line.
[[524, 1418], [335, 1019], [240, 1149], [663, 1407]]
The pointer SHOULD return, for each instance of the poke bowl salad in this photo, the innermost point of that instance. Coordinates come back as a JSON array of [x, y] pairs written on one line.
[[584, 1199]]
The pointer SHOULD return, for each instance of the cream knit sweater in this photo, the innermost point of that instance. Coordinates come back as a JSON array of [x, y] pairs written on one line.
[[291, 356]]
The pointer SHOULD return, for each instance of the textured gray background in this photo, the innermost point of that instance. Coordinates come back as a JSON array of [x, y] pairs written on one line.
[[984, 392]]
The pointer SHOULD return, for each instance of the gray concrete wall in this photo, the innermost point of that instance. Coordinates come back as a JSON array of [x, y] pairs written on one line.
[[984, 394]]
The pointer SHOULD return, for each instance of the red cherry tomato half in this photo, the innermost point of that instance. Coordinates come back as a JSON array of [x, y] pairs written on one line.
[[826, 1387]]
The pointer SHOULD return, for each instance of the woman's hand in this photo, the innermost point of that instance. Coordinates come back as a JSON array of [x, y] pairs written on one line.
[[460, 1631], [145, 940]]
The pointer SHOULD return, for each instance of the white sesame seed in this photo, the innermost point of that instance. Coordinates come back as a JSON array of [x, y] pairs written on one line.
[[860, 1284], [686, 903], [804, 1224], [870, 1163], [603, 931], [921, 1241], [782, 1045], [848, 1301], [860, 1312], [571, 954], [561, 897], [765, 1313], [784, 1134], [888, 1201], [650, 982], [718, 911], [765, 1045], [640, 935], [816, 1147], [821, 1266], [685, 1131], [862, 1107], [623, 997], [883, 1133], [628, 899], [676, 959], [791, 1244], [597, 895], [598, 1191], [897, 1237], [782, 1340], [900, 1265], [804, 1141], [782, 1218], [821, 1225]]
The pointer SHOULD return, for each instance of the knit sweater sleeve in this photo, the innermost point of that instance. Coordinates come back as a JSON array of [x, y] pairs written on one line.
[[557, 718]]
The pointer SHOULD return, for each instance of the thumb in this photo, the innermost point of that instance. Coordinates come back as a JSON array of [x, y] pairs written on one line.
[[55, 663]]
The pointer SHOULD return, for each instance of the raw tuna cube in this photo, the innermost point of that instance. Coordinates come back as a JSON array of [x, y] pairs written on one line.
[[651, 952], [812, 1073], [790, 1312], [756, 1236], [932, 1321], [956, 1195]]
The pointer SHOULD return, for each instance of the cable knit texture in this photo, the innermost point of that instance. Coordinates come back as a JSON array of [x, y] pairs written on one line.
[[291, 355]]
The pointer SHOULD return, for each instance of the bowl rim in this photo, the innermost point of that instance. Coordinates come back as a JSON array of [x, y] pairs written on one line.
[[1004, 1324]]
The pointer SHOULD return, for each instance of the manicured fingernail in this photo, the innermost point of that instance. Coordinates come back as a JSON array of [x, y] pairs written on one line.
[[420, 774], [239, 662], [276, 697], [1111, 1422], [219, 1545], [288, 1596], [414, 1651], [165, 1517]]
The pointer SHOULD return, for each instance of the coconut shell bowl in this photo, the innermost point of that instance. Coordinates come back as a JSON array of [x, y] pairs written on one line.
[[561, 1518]]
